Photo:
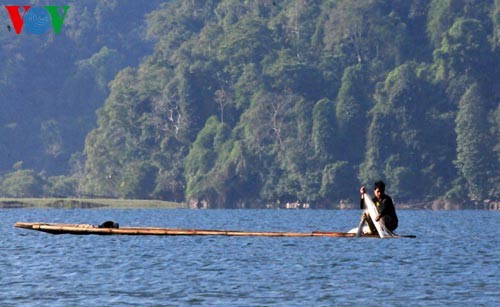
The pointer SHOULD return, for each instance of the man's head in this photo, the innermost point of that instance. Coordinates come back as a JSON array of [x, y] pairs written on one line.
[[379, 188]]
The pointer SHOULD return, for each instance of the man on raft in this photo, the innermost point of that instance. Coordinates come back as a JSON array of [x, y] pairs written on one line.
[[386, 212]]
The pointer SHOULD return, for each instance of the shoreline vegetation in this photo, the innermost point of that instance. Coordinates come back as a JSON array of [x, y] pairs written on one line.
[[88, 203], [111, 203]]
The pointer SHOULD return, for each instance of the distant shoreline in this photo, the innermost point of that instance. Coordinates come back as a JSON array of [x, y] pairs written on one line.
[[87, 203], [110, 203]]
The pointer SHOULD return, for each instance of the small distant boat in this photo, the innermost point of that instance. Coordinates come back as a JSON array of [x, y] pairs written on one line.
[[111, 228]]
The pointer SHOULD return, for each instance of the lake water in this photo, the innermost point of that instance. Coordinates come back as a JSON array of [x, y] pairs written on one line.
[[454, 261]]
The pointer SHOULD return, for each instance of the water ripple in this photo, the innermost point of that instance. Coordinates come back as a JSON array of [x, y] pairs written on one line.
[[450, 263]]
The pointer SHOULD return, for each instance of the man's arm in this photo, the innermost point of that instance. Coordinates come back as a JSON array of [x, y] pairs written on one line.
[[362, 192]]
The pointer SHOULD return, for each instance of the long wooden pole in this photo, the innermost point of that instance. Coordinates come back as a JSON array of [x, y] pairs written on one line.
[[83, 229]]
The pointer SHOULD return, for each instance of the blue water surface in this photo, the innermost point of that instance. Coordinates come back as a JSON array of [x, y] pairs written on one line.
[[454, 261]]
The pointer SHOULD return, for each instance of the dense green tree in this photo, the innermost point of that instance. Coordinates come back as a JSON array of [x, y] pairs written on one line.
[[353, 102], [495, 16], [108, 146], [23, 183], [289, 72], [475, 158], [138, 180], [465, 49], [200, 160], [337, 182], [234, 179], [248, 41], [365, 36], [323, 132], [443, 14], [61, 186]]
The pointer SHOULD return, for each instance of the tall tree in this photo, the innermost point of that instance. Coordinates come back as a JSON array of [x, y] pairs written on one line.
[[323, 132], [366, 30], [353, 102], [475, 159], [200, 161], [465, 50], [495, 16]]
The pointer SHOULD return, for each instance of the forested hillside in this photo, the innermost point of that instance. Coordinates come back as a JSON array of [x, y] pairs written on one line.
[[51, 86], [245, 104]]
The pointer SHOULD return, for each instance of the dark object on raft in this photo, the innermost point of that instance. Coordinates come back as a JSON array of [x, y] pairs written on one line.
[[87, 229], [109, 224]]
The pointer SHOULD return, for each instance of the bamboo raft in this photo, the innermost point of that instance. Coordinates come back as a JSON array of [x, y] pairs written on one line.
[[88, 229]]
